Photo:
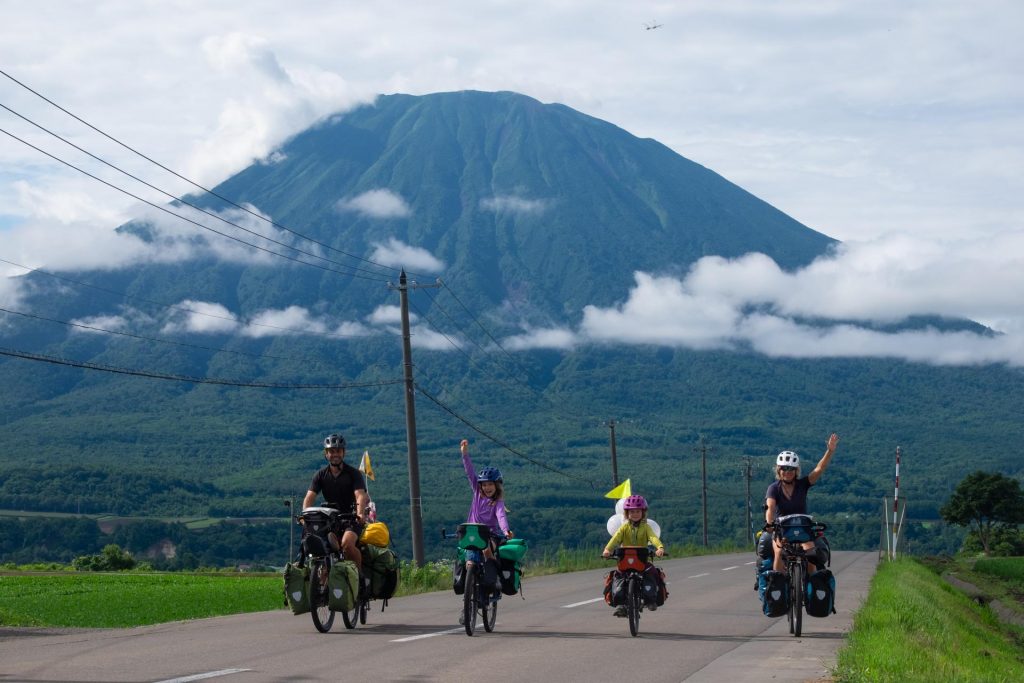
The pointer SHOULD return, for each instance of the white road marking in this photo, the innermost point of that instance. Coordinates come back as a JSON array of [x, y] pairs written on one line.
[[697, 576], [748, 563], [735, 566], [428, 635], [199, 677], [585, 602]]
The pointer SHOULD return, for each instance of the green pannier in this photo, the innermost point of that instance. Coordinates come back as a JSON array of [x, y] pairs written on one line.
[[342, 586], [296, 587], [381, 566], [513, 549]]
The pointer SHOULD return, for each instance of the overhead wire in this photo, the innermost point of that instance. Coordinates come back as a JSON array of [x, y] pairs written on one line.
[[182, 200], [190, 181], [197, 223], [174, 307], [57, 360]]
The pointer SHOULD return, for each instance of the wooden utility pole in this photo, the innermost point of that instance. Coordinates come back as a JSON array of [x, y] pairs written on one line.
[[615, 463], [415, 501], [704, 448]]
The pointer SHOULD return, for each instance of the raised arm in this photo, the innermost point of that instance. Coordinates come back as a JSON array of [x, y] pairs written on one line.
[[830, 449], [467, 464]]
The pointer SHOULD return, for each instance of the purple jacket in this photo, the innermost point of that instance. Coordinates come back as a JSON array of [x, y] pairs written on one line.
[[483, 510]]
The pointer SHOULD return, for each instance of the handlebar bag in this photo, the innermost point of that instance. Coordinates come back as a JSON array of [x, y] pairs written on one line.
[[797, 528], [473, 536]]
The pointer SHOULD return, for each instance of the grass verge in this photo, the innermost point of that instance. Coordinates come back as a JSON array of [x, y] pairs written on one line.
[[916, 627]]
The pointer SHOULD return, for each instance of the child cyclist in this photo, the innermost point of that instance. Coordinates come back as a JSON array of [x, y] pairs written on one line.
[[487, 508], [635, 531]]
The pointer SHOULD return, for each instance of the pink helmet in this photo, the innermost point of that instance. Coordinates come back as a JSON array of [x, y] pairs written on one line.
[[635, 503]]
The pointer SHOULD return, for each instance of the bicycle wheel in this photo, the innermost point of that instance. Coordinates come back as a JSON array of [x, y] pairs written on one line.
[[796, 598], [364, 609], [469, 599], [323, 615], [633, 605], [489, 609]]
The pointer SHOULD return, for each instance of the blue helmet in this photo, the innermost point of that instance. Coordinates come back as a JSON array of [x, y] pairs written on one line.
[[489, 474]]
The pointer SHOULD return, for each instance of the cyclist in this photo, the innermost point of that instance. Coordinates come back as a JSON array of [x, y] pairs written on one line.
[[635, 531], [343, 488], [488, 506], [787, 495]]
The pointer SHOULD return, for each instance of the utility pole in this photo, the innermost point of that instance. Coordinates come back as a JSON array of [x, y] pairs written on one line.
[[615, 463], [704, 448], [748, 473], [290, 504], [415, 501]]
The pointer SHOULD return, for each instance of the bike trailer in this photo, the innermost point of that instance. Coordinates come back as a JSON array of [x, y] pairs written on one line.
[[342, 586], [821, 591], [296, 587], [797, 528], [775, 598], [473, 536]]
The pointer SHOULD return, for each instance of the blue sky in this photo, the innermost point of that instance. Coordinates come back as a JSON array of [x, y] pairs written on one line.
[[895, 127]]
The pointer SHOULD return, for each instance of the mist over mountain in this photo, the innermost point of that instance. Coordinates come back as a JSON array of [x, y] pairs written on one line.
[[530, 213]]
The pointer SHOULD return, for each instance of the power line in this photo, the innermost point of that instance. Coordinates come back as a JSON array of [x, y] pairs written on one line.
[[497, 441], [182, 200], [154, 339], [196, 223], [184, 378], [187, 180], [173, 307]]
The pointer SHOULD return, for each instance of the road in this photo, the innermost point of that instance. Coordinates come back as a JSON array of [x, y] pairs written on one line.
[[711, 629]]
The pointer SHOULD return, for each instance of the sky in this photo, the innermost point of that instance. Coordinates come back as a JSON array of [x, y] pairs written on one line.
[[893, 127]]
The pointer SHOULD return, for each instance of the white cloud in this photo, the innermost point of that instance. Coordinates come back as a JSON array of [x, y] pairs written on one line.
[[398, 254], [376, 204], [388, 315], [113, 323], [513, 204], [202, 317], [291, 320], [550, 338]]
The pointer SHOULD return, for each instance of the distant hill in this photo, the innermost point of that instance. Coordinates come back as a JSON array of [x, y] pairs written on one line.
[[535, 211]]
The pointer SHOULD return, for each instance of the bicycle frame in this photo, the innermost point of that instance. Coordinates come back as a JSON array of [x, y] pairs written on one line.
[[632, 561], [794, 556]]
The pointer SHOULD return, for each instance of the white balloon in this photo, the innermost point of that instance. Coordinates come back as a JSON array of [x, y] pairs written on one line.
[[619, 505], [614, 522], [655, 527]]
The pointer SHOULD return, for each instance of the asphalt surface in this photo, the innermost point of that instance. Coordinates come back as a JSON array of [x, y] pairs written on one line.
[[711, 629]]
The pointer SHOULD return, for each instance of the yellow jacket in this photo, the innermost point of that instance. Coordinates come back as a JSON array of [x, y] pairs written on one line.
[[641, 534]]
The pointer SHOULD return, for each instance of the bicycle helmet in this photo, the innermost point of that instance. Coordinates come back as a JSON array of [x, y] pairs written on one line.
[[635, 503], [787, 459], [489, 474], [334, 441]]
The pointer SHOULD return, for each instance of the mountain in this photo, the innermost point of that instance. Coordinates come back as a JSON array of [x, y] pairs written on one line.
[[536, 212]]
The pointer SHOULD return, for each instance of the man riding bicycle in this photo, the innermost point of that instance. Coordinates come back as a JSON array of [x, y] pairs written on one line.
[[343, 488]]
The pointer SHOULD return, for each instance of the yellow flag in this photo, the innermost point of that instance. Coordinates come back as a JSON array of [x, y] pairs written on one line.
[[623, 490], [365, 467]]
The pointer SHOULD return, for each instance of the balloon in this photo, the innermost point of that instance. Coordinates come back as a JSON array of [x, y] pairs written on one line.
[[619, 504], [655, 527], [614, 522]]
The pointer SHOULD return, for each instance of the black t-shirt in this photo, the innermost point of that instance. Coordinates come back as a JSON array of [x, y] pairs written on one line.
[[797, 505], [339, 491]]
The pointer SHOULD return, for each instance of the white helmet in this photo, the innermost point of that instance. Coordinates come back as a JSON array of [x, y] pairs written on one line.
[[787, 459]]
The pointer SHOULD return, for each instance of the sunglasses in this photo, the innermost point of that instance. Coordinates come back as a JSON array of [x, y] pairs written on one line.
[[335, 450], [786, 468]]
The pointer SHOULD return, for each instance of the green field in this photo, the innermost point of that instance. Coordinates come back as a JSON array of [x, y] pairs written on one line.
[[1008, 568], [916, 627], [105, 600]]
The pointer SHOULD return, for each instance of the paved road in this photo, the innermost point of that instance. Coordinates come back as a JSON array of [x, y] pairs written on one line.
[[711, 629]]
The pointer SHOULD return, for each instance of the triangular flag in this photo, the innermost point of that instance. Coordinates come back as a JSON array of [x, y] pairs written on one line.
[[623, 490], [365, 467]]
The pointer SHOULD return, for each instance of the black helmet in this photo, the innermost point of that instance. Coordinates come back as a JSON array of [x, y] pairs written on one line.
[[334, 441]]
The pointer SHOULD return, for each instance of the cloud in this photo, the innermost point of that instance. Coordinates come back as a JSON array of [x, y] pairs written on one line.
[[201, 317], [388, 315], [401, 255], [376, 204], [550, 338], [514, 204]]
